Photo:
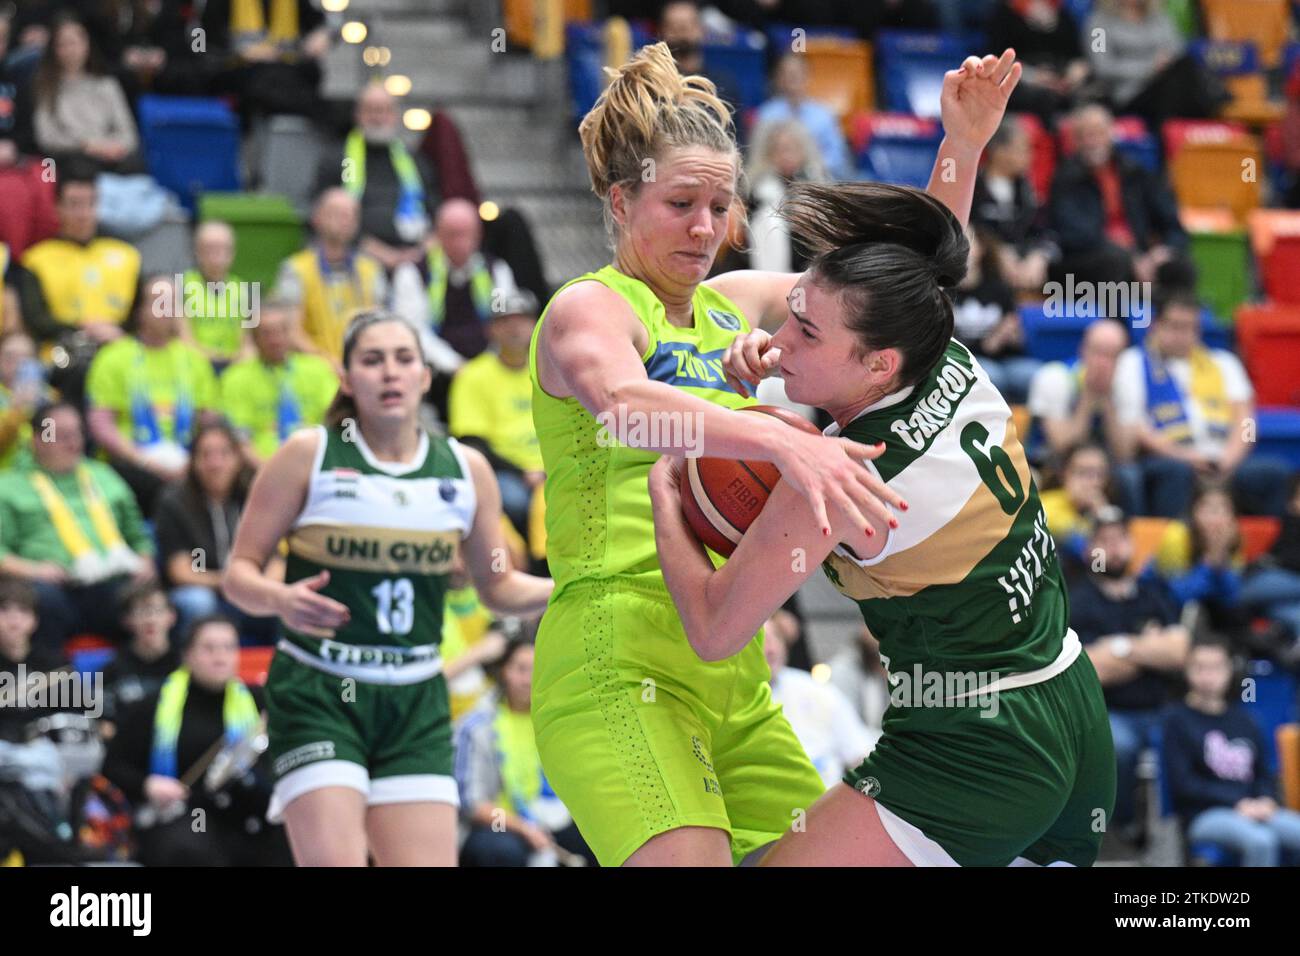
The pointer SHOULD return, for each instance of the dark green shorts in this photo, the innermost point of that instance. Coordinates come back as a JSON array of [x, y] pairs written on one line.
[[1035, 780], [393, 743]]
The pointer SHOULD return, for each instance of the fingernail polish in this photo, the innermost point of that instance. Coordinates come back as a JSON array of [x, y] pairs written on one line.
[[902, 506], [870, 531], [893, 522]]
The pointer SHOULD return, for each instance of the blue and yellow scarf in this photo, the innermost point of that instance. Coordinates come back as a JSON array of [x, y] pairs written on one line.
[[239, 714]]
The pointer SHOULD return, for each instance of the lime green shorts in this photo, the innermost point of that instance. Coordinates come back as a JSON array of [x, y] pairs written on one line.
[[1030, 780], [638, 736]]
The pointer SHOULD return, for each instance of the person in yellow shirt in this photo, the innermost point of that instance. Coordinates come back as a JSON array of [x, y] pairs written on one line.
[[147, 395], [331, 280], [1085, 477], [83, 281], [490, 406]]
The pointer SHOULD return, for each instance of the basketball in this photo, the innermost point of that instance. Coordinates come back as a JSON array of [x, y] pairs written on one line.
[[721, 497]]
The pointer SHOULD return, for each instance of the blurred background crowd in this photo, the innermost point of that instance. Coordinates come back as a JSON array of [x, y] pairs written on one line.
[[195, 196]]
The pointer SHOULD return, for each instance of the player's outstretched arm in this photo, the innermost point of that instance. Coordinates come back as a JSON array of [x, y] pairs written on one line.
[[501, 587], [972, 104], [722, 610], [274, 503]]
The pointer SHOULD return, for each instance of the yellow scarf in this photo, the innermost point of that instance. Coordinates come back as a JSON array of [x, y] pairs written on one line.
[[88, 565], [246, 17], [1168, 406]]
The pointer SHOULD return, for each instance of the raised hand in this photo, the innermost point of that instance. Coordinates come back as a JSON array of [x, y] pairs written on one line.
[[975, 95]]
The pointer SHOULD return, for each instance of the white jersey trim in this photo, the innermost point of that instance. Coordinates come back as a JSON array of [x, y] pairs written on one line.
[[394, 468], [472, 511]]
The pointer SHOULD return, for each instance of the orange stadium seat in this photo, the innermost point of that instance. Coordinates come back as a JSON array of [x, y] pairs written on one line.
[[840, 75], [1219, 173], [521, 23], [254, 663], [1262, 22], [1268, 338], [1288, 764], [1146, 534], [1257, 534]]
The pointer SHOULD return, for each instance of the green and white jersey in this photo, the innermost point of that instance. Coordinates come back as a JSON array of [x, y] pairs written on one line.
[[970, 580], [389, 534]]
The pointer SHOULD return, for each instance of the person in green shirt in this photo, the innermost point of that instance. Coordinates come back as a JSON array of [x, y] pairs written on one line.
[[490, 406], [147, 393], [70, 527], [277, 391], [215, 301]]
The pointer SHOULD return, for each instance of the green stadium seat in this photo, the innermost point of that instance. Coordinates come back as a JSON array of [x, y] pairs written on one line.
[[267, 231], [1223, 273]]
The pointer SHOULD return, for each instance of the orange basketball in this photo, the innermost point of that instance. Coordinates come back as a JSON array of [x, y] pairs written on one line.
[[722, 496]]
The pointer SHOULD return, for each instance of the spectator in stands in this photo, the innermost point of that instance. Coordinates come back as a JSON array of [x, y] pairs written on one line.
[[18, 623], [1142, 66], [275, 48], [196, 521], [790, 102], [1201, 556], [1129, 629], [1273, 587], [1114, 220], [822, 717], [78, 281], [216, 301], [514, 816], [148, 393], [278, 390], [331, 280], [397, 189], [1216, 759], [11, 313], [867, 18], [682, 29], [860, 676], [462, 280], [986, 319], [163, 736], [490, 407], [144, 661], [1189, 411], [1075, 403], [1046, 39], [1005, 202], [22, 391], [80, 109], [782, 152], [1083, 492], [13, 104], [71, 527]]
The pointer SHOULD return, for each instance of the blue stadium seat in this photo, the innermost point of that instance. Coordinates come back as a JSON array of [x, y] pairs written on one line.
[[584, 52], [1139, 146], [1056, 337], [899, 149], [739, 69], [92, 659], [190, 144], [1279, 433], [910, 65], [1214, 334], [1079, 9]]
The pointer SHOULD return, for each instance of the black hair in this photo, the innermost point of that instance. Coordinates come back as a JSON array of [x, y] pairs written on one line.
[[244, 478], [42, 412], [889, 252], [14, 590], [73, 171], [1172, 297], [198, 624], [137, 593]]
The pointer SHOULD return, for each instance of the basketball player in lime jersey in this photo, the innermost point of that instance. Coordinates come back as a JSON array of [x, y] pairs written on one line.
[[661, 757], [376, 511], [996, 746]]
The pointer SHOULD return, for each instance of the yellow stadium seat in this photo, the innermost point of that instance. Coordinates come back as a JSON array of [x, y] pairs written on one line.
[[1219, 175], [1147, 533], [1250, 101], [520, 18], [1262, 22]]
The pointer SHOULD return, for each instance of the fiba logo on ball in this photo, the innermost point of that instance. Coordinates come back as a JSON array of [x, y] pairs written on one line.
[[725, 320], [870, 786]]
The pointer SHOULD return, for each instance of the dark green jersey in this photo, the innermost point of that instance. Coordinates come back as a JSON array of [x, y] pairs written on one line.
[[389, 534], [970, 580]]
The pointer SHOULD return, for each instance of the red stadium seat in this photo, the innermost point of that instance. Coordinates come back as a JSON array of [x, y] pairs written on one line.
[[254, 663], [1282, 270], [1179, 133], [1257, 534], [1268, 338]]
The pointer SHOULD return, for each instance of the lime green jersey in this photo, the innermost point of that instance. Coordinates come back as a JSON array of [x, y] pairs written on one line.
[[598, 517]]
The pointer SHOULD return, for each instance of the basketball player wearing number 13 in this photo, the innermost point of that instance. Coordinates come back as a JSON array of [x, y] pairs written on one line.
[[376, 511], [996, 746]]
